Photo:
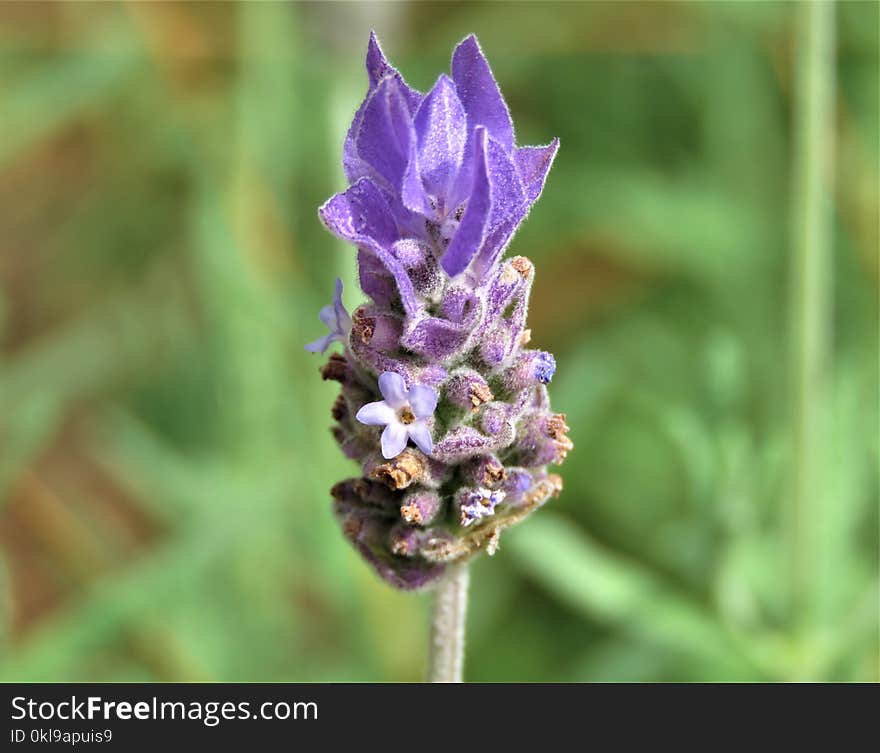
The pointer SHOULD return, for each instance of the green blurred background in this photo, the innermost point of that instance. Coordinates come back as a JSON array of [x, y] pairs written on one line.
[[164, 454]]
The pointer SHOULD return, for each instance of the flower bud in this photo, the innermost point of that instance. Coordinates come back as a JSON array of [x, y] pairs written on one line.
[[484, 470], [530, 366], [376, 329], [421, 507], [467, 389]]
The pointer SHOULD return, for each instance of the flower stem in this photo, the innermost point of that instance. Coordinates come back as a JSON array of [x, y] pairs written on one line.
[[447, 625], [811, 286]]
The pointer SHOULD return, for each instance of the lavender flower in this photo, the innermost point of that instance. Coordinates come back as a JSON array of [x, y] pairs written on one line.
[[404, 414], [479, 503], [437, 188], [336, 319]]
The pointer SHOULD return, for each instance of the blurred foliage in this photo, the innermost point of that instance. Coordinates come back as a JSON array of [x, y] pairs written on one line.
[[164, 459]]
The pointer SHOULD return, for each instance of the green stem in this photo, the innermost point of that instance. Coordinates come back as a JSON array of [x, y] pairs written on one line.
[[448, 625], [811, 290]]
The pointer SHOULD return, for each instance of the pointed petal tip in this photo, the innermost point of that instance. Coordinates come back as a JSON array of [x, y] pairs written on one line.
[[479, 91], [376, 63], [324, 209], [550, 151], [444, 82], [467, 47], [470, 41], [533, 164], [318, 346]]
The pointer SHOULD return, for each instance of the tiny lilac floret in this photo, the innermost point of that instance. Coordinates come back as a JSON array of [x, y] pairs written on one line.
[[479, 504], [403, 413], [545, 367], [336, 319]]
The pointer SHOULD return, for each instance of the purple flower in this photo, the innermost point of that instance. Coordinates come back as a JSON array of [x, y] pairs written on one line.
[[477, 504], [403, 413], [440, 168], [437, 187], [336, 319], [545, 367]]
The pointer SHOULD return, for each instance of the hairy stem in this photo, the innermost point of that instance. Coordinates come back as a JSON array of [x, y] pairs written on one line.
[[447, 625]]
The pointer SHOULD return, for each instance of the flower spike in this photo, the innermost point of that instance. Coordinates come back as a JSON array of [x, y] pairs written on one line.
[[441, 403]]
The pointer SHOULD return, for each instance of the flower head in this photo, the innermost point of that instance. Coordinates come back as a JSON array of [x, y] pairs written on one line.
[[437, 188], [404, 414], [336, 319]]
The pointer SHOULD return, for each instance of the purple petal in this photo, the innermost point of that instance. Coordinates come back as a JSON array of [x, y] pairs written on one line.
[[361, 215], [412, 190], [327, 315], [435, 338], [377, 69], [343, 320], [355, 168], [421, 435], [383, 140], [393, 389], [479, 93], [376, 414], [441, 131], [508, 194], [422, 400], [321, 344], [376, 62], [469, 235], [375, 280], [460, 305], [495, 243], [360, 212], [533, 163], [393, 440], [509, 206], [440, 337]]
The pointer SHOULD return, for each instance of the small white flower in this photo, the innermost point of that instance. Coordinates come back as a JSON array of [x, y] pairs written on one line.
[[403, 413]]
